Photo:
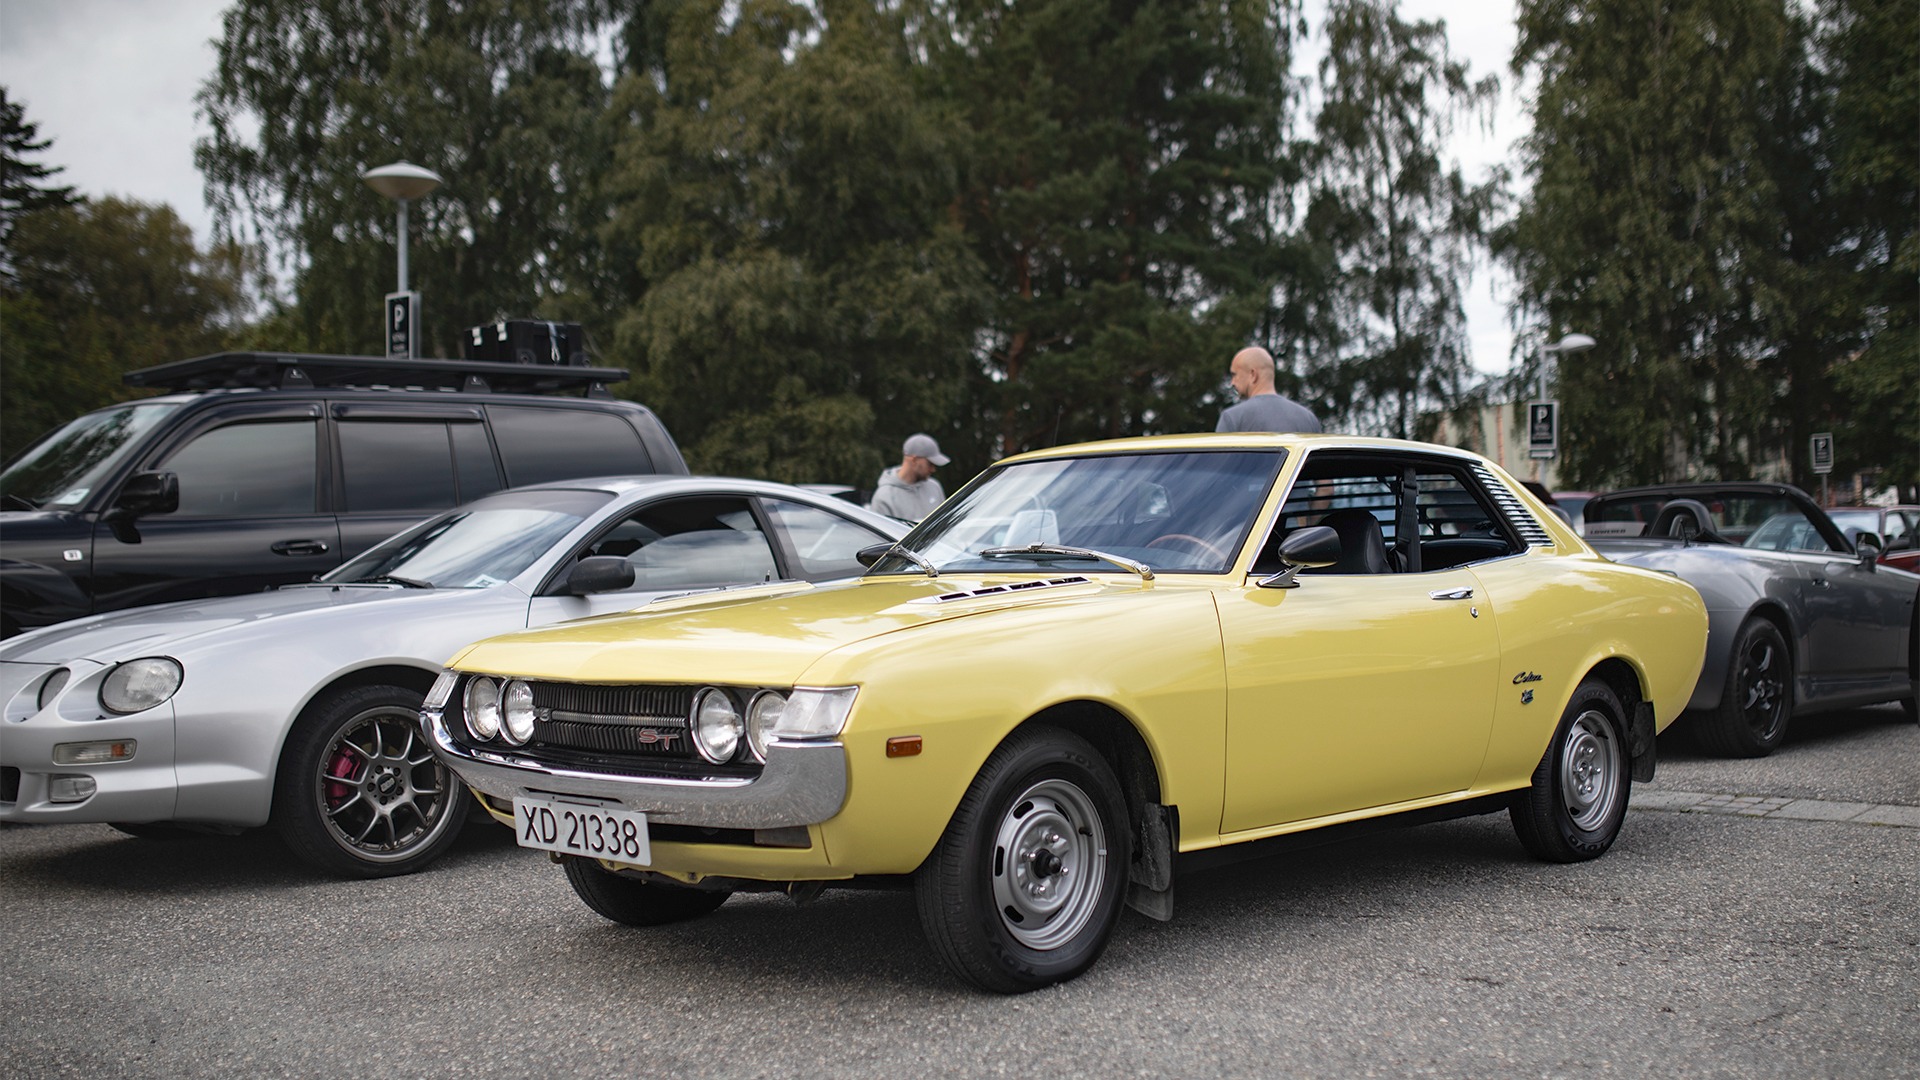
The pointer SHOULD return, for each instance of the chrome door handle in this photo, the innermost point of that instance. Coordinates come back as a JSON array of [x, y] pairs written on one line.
[[299, 547], [1451, 594]]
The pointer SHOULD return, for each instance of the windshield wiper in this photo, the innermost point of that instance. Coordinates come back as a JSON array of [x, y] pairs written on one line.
[[18, 502], [393, 579], [1060, 552]]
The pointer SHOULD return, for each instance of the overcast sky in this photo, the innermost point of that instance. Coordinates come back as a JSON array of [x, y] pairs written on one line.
[[112, 82]]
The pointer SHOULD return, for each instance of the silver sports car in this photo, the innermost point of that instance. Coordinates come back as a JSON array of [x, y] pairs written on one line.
[[299, 707], [1801, 619]]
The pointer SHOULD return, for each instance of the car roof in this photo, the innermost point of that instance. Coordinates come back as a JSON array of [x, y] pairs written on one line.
[[1244, 440]]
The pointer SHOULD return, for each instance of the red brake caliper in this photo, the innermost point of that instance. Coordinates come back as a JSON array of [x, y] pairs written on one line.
[[342, 768]]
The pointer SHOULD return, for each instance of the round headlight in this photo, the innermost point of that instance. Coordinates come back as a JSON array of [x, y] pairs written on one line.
[[517, 715], [762, 714], [51, 686], [138, 685], [716, 725], [483, 708]]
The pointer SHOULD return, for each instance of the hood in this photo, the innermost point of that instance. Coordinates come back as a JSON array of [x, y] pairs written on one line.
[[121, 635], [764, 637]]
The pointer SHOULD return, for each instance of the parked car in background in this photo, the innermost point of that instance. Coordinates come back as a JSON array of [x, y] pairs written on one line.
[[1805, 619], [1897, 526], [1091, 665], [261, 469], [1575, 504], [300, 707]]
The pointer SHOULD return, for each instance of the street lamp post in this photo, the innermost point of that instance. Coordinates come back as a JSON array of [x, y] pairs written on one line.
[[1543, 415], [402, 182]]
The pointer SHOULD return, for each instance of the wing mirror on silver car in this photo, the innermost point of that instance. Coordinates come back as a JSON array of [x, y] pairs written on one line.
[[598, 574], [1312, 547]]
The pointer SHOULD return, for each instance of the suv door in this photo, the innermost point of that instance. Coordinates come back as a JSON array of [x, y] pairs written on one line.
[[250, 481]]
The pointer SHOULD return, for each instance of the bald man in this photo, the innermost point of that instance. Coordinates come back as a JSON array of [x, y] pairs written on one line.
[[1261, 407]]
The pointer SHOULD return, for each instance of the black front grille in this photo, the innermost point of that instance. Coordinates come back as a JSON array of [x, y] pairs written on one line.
[[614, 728]]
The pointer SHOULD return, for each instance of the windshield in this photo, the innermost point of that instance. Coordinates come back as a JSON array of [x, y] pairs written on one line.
[[1175, 512], [61, 470], [475, 546], [1734, 515]]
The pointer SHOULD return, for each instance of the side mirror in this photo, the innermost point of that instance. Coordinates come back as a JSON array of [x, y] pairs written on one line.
[[149, 493], [871, 554], [598, 574], [1868, 546], [1312, 547]]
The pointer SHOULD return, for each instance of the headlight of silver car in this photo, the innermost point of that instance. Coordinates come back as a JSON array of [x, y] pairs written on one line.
[[815, 713], [139, 685], [516, 714], [717, 725], [763, 712], [482, 707]]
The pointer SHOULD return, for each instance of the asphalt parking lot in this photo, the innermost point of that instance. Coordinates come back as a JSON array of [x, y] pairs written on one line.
[[1756, 919]]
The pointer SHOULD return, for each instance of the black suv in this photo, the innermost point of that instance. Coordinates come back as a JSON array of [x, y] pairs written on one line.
[[262, 469]]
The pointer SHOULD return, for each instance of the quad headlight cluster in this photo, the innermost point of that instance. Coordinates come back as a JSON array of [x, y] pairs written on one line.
[[724, 723]]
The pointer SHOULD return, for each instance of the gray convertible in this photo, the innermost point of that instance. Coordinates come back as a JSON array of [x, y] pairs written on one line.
[[1801, 619], [300, 707]]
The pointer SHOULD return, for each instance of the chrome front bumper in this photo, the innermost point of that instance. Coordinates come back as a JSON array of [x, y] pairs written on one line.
[[803, 783]]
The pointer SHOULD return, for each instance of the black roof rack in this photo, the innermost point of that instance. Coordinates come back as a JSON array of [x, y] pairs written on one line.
[[300, 371]]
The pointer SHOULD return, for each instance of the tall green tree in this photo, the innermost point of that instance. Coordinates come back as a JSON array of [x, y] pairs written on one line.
[[1125, 189], [1870, 50], [1397, 227], [781, 215], [23, 186], [1655, 224], [104, 287], [502, 98]]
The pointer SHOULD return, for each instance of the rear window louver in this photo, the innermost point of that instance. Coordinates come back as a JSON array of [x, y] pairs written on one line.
[[1524, 523]]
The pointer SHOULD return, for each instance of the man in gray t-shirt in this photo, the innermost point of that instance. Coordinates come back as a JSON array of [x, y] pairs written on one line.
[[1261, 407]]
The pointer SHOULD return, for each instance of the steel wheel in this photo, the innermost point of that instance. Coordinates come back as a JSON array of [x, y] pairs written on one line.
[[1049, 859], [1592, 767], [359, 792], [1577, 801]]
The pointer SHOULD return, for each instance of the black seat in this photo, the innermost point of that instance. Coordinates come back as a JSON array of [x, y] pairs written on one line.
[[1684, 519], [1362, 548]]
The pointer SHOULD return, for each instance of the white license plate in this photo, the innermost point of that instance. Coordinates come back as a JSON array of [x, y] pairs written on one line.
[[598, 832]]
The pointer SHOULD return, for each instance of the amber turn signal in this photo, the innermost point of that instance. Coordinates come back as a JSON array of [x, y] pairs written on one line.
[[903, 746]]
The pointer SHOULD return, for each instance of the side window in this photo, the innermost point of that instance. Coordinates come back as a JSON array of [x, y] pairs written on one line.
[[248, 470], [1358, 500], [823, 542], [1362, 497], [542, 444], [1899, 531], [473, 461], [702, 542], [397, 465]]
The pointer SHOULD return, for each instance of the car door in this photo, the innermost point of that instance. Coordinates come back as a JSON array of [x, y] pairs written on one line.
[[1353, 690], [250, 513]]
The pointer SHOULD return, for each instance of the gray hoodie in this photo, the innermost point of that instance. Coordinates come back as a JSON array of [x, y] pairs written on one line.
[[895, 497]]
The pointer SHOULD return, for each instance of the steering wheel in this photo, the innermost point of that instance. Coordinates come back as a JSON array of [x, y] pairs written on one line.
[[1160, 541]]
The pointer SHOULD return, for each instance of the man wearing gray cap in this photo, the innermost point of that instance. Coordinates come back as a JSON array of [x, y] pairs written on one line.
[[910, 492]]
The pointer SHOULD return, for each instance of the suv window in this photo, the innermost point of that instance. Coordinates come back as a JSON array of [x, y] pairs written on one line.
[[248, 470], [61, 470], [398, 466], [540, 445]]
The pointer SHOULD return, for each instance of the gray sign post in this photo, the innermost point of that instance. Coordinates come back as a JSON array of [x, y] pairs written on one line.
[[403, 325], [1821, 446]]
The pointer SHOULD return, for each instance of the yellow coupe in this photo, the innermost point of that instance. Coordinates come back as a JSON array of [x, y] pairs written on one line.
[[1091, 667]]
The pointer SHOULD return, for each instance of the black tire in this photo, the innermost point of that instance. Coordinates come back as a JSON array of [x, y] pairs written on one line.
[[1751, 720], [358, 792], [1574, 808], [1044, 809], [638, 903]]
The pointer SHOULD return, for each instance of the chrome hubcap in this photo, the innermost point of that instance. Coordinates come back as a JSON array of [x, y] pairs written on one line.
[[1590, 771], [1049, 859], [382, 794]]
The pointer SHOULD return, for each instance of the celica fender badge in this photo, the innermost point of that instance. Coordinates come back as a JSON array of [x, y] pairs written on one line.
[[1526, 697]]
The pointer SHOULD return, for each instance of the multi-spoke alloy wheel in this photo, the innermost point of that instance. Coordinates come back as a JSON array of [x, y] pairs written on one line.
[[359, 793], [1758, 699], [1578, 798]]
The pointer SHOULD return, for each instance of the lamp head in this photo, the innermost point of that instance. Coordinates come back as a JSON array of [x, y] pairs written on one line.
[[401, 180]]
